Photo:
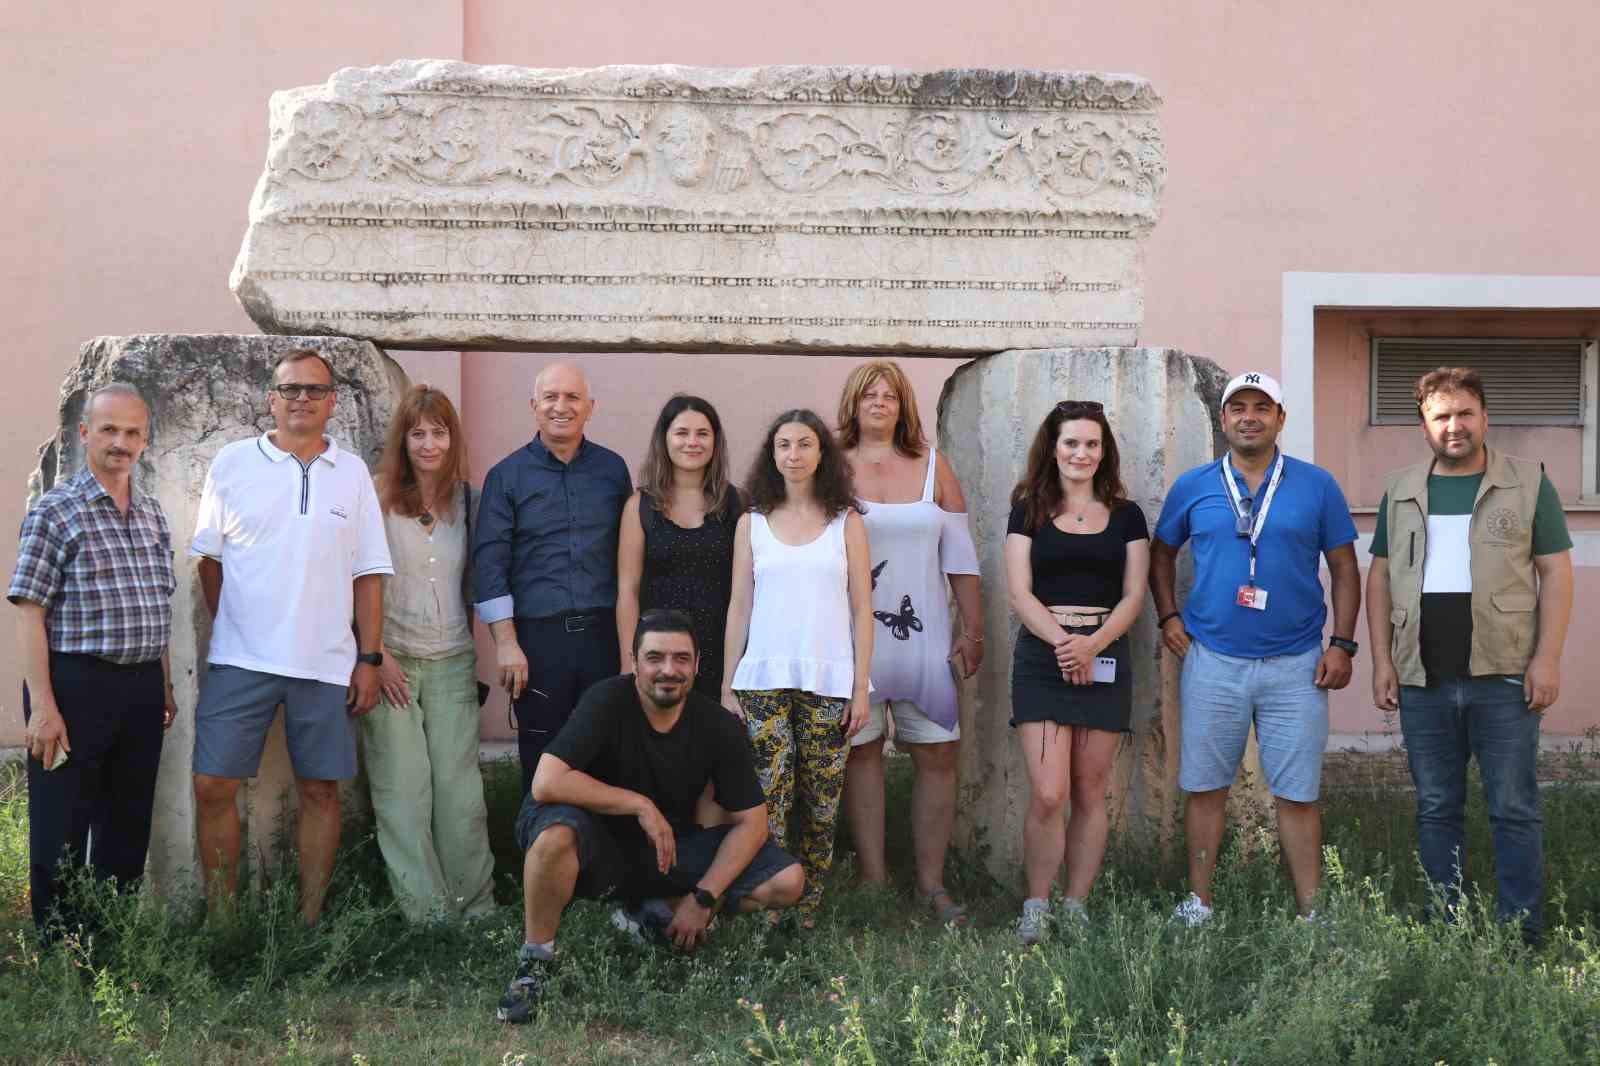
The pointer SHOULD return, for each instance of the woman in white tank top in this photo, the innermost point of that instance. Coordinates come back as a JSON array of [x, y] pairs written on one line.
[[800, 635]]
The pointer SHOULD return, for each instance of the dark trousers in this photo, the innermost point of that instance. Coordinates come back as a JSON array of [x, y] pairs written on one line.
[[96, 807], [566, 654]]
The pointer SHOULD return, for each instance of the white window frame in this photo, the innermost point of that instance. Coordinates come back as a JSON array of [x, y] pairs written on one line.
[[1304, 292]]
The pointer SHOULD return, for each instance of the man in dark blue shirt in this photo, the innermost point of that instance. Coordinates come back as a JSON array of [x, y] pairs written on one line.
[[545, 561]]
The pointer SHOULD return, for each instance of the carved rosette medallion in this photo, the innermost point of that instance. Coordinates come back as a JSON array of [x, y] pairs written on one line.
[[433, 204]]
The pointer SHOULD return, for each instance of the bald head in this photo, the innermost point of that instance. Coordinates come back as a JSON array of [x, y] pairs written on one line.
[[562, 404], [563, 374]]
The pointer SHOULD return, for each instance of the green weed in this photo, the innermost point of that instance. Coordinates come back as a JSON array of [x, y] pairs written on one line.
[[876, 983]]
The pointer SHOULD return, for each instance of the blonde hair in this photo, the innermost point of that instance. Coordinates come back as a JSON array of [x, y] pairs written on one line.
[[908, 437]]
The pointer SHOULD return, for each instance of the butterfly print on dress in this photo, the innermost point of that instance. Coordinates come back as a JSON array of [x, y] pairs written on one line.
[[901, 625], [876, 570]]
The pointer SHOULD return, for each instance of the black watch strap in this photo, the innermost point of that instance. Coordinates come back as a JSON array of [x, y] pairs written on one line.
[[1342, 644], [705, 898], [371, 658]]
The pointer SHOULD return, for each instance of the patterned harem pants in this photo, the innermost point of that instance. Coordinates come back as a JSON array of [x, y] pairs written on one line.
[[800, 750]]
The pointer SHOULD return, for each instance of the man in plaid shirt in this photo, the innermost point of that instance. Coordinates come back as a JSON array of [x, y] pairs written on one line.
[[93, 587]]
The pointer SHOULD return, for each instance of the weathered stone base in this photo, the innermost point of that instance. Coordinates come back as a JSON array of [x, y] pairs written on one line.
[[1161, 404], [206, 391]]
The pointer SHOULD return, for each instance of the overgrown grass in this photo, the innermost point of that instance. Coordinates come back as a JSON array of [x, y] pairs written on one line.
[[876, 983]]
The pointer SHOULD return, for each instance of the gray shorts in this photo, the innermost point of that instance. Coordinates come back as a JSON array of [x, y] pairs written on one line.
[[236, 710], [609, 868], [1223, 695]]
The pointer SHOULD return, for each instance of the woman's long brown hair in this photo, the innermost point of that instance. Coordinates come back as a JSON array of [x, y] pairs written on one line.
[[655, 475], [1040, 488], [398, 490], [834, 485]]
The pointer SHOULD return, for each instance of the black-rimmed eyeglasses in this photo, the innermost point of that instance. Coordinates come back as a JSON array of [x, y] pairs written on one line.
[[302, 392]]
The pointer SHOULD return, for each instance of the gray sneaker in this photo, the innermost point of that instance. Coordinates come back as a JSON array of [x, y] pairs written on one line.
[[1073, 914], [645, 924], [1191, 912], [1034, 923]]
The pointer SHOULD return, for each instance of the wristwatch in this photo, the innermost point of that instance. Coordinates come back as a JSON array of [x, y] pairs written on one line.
[[1348, 646], [371, 658], [705, 898]]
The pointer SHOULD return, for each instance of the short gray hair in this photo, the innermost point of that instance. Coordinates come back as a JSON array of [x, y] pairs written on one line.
[[115, 388]]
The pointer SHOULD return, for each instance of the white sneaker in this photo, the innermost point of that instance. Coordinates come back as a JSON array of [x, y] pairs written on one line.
[[1035, 921], [1192, 912], [1073, 913]]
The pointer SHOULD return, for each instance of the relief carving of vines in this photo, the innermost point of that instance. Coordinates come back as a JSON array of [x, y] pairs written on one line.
[[650, 148]]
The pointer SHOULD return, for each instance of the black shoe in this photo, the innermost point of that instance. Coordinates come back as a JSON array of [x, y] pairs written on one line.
[[522, 994]]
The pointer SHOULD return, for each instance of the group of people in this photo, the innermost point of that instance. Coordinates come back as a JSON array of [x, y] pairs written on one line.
[[702, 674]]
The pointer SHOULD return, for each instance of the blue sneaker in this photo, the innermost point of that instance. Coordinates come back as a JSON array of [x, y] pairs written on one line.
[[517, 1006]]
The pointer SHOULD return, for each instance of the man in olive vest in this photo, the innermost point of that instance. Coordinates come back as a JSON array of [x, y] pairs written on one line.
[[1467, 605]]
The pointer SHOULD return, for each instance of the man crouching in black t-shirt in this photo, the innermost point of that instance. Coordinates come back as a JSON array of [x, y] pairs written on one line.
[[611, 814]]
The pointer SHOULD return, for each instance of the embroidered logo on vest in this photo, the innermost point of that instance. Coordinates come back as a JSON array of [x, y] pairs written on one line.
[[1503, 523]]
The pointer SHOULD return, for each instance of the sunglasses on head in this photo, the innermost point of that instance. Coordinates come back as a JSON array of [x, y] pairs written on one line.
[[1076, 408]]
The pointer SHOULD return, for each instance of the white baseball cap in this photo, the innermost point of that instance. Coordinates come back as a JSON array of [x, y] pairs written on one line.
[[1254, 379]]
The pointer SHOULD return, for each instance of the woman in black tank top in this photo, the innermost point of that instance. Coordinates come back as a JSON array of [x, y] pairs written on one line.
[[676, 544], [1077, 554]]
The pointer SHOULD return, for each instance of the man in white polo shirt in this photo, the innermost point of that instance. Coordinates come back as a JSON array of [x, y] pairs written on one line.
[[291, 546]]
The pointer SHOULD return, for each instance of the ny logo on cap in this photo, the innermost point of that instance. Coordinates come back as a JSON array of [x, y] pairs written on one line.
[[1252, 379]]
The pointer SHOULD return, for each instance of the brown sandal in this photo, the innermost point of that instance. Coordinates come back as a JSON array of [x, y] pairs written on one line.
[[948, 912]]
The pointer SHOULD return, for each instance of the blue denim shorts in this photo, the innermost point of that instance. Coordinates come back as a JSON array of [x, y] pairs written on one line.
[[236, 710], [1223, 695]]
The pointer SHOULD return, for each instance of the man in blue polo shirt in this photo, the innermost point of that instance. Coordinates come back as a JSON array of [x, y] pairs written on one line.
[[1251, 631]]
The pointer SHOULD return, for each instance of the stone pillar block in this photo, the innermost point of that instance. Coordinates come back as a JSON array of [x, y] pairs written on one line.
[[1161, 403], [433, 204], [205, 391]]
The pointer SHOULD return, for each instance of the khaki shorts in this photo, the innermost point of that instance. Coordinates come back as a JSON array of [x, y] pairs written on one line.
[[911, 726]]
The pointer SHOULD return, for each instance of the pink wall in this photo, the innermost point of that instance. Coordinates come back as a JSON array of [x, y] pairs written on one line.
[[136, 133], [1363, 136]]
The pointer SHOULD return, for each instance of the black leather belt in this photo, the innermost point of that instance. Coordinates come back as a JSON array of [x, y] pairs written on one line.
[[579, 621]]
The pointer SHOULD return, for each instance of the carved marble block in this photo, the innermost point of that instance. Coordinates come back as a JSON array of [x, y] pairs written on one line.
[[433, 204], [205, 391]]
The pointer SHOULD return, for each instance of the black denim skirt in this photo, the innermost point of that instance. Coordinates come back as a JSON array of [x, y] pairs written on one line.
[[1040, 694]]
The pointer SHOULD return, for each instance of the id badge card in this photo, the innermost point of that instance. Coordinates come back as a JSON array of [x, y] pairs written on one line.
[[1253, 597], [1105, 670]]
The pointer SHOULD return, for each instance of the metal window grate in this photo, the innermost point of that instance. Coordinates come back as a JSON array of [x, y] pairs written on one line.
[[1525, 382]]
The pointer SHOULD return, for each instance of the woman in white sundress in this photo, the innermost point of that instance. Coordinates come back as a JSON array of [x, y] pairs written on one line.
[[922, 552]]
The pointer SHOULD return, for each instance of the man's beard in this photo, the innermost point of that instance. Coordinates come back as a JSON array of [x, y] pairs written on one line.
[[664, 702]]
